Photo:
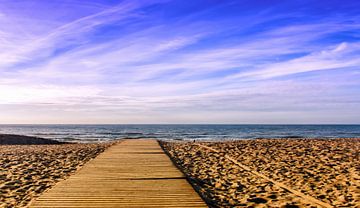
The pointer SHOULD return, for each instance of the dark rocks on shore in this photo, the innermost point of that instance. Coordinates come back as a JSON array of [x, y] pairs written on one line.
[[12, 139]]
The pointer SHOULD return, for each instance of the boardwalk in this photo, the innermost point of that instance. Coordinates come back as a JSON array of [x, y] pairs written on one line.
[[133, 173]]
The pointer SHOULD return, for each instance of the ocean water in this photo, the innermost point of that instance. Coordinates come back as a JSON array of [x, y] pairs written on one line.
[[95, 133]]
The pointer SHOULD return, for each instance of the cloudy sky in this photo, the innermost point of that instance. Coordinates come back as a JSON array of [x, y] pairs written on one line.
[[163, 61]]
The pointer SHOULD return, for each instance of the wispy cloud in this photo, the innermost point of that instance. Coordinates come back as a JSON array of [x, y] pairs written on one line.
[[163, 57], [342, 56]]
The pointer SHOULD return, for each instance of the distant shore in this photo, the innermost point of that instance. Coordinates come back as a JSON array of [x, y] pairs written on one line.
[[12, 139]]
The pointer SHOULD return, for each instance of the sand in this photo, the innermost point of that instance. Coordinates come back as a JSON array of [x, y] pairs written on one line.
[[28, 170], [324, 170], [250, 173]]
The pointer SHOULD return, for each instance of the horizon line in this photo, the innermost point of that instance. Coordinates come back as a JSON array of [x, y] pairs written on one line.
[[89, 124]]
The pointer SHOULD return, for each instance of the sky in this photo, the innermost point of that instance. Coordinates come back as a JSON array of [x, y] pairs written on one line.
[[164, 61]]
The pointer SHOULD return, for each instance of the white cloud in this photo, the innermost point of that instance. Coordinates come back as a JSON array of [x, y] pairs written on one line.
[[10, 94], [340, 56], [161, 69]]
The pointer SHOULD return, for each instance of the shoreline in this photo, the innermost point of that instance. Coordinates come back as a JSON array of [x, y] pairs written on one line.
[[13, 139]]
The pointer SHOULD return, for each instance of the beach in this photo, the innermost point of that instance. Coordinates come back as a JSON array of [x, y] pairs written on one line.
[[285, 173], [272, 172], [28, 169]]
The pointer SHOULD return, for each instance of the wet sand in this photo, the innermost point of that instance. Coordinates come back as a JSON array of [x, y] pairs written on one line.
[[324, 170], [28, 170]]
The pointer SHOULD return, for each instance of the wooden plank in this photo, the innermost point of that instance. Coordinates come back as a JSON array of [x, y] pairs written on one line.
[[133, 173]]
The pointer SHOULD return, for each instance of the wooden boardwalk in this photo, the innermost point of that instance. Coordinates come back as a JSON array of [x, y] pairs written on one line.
[[133, 173]]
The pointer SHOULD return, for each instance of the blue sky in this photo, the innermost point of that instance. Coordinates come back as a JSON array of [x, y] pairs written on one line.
[[166, 61]]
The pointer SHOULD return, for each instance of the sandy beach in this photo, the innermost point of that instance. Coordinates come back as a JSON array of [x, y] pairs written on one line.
[[269, 172], [28, 170], [286, 173]]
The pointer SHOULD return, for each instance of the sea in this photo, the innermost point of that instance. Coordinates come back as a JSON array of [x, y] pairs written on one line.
[[103, 133]]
